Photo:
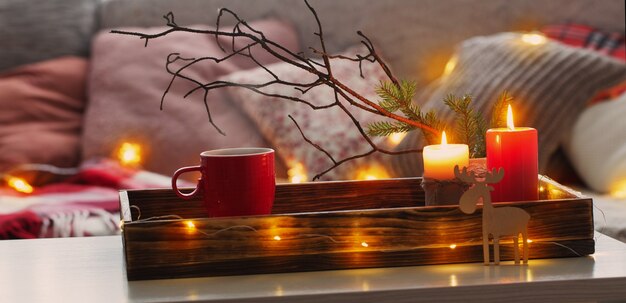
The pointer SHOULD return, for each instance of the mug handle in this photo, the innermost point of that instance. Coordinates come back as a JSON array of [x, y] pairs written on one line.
[[179, 172]]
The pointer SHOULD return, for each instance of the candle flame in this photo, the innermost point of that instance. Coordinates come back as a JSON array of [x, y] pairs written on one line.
[[444, 139], [509, 118], [20, 185]]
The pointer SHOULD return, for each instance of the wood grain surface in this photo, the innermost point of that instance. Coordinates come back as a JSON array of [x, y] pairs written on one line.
[[356, 224]]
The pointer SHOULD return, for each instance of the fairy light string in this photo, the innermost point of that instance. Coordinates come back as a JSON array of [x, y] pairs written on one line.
[[365, 244], [359, 243]]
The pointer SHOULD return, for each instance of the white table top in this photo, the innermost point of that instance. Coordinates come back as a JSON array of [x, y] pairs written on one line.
[[92, 270]]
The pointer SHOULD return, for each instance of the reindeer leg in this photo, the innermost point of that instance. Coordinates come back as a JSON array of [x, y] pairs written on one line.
[[496, 250], [486, 248], [525, 244], [516, 248]]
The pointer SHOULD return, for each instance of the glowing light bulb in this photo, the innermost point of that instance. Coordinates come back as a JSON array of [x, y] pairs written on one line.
[[373, 172], [365, 286], [395, 138], [277, 238], [618, 189], [19, 184], [529, 241], [364, 244], [453, 281], [190, 224], [534, 38], [452, 246], [297, 173], [450, 65], [279, 291], [129, 154], [509, 118]]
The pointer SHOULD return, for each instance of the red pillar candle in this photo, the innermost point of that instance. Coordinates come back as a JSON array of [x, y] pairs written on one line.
[[515, 150]]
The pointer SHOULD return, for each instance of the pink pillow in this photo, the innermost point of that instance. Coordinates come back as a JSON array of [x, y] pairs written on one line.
[[125, 87], [41, 108], [330, 128]]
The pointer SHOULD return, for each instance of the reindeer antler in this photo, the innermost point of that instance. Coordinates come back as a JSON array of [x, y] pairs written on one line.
[[495, 175], [464, 175]]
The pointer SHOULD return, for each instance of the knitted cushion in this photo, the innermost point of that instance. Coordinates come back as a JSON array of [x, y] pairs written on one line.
[[551, 84]]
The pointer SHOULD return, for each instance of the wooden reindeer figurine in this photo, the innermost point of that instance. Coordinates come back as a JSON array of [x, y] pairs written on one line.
[[497, 222]]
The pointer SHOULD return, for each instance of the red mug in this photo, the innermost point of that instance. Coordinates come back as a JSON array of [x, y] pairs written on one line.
[[234, 182]]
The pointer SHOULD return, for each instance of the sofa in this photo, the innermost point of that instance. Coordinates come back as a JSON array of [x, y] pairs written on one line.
[[114, 98]]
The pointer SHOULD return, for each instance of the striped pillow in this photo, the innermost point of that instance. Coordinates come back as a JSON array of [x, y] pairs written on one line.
[[551, 84]]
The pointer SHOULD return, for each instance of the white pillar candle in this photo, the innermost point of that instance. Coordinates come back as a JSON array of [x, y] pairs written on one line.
[[440, 159]]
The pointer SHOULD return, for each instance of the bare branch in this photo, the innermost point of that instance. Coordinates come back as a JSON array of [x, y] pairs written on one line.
[[321, 68], [208, 111], [312, 143]]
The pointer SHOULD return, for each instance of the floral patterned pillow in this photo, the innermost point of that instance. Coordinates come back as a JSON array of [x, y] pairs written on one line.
[[330, 128]]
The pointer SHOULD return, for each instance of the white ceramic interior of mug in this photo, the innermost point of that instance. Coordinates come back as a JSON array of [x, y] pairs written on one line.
[[237, 152]]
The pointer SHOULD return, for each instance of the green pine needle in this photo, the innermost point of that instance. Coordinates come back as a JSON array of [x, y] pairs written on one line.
[[498, 114], [470, 126], [384, 128], [433, 121], [394, 98]]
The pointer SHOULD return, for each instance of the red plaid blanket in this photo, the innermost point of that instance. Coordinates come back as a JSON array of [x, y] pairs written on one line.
[[608, 43], [85, 204], [612, 44]]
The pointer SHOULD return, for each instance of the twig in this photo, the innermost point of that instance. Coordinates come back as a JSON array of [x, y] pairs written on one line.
[[322, 71]]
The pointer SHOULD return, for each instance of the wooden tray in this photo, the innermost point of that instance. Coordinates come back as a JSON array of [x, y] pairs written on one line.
[[335, 225]]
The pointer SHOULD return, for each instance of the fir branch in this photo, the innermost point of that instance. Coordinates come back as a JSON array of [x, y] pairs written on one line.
[[479, 150], [385, 128], [470, 125], [398, 97], [498, 114], [460, 106], [431, 119]]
